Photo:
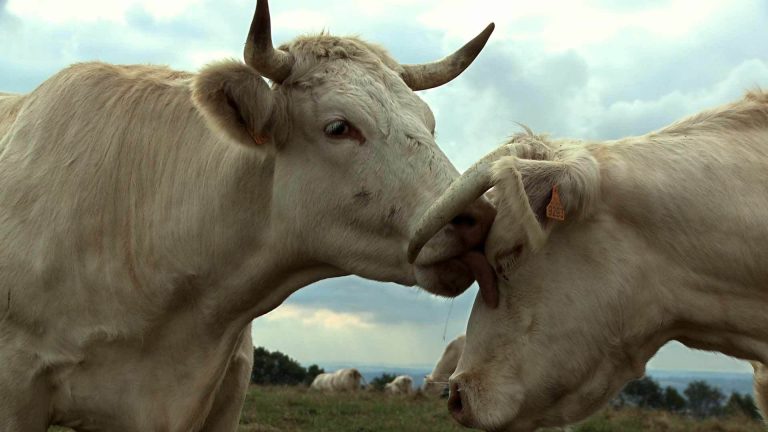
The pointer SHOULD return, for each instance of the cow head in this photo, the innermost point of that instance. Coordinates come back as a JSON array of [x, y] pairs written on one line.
[[351, 152], [572, 324]]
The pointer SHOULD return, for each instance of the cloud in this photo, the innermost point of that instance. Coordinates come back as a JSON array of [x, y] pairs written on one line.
[[396, 304], [675, 355], [323, 318], [85, 11], [6, 19], [309, 341], [636, 81], [638, 116]]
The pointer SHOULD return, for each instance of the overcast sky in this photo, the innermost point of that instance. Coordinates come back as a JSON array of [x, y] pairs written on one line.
[[595, 69]]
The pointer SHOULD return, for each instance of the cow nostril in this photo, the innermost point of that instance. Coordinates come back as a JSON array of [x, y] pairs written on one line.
[[455, 405], [464, 219]]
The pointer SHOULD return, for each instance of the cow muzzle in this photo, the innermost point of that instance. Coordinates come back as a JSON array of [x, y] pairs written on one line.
[[454, 258], [475, 403]]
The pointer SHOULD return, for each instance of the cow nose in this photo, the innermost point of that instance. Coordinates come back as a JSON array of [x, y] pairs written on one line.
[[457, 406], [473, 224]]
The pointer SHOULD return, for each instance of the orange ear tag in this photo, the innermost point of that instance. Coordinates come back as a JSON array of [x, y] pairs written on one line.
[[260, 139], [555, 208]]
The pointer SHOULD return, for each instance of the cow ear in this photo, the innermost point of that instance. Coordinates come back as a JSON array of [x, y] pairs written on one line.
[[562, 190], [235, 101], [533, 196]]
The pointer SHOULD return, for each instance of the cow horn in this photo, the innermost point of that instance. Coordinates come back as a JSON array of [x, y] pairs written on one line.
[[259, 52], [471, 185], [428, 75]]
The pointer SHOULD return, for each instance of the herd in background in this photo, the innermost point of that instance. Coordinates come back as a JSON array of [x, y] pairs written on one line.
[[435, 383]]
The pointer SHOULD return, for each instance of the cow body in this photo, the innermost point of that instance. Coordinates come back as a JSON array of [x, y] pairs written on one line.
[[94, 333], [342, 380], [436, 383], [147, 215], [663, 239]]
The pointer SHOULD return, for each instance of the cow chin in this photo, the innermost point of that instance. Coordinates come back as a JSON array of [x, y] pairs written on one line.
[[448, 278], [477, 403], [508, 406]]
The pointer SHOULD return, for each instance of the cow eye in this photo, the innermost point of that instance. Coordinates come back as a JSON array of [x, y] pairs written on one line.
[[342, 129], [337, 129]]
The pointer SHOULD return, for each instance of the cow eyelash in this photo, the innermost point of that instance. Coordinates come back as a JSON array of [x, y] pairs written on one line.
[[342, 129], [337, 128]]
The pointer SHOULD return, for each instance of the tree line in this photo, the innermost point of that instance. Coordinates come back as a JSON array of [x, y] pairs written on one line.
[[699, 399], [276, 368]]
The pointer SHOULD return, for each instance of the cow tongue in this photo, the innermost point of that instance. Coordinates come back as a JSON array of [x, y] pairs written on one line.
[[485, 277]]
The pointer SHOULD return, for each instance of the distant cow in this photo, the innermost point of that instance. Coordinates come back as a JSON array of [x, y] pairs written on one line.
[[341, 380], [401, 385], [436, 383], [604, 252]]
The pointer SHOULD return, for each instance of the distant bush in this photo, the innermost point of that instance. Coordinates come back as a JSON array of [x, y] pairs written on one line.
[[673, 401], [276, 368], [312, 372], [380, 381], [703, 399], [741, 405], [643, 393]]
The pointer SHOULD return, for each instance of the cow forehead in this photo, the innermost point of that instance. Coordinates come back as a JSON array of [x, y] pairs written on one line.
[[360, 76], [315, 51]]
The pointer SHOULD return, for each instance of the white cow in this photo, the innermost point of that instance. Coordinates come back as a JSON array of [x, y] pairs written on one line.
[[436, 383], [148, 215], [341, 380], [401, 385], [664, 238]]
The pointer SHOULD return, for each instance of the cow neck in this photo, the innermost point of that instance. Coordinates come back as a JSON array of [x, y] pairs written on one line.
[[708, 285], [253, 272]]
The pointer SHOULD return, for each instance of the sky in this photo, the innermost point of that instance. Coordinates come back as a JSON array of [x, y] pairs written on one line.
[[588, 69]]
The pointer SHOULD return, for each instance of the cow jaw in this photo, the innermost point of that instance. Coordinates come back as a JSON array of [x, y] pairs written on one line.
[[498, 388], [451, 277]]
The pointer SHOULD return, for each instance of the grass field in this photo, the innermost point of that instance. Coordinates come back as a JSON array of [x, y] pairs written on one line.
[[288, 409], [272, 409]]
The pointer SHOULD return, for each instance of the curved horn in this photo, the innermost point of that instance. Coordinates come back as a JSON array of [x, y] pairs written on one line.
[[428, 75], [472, 184], [259, 52]]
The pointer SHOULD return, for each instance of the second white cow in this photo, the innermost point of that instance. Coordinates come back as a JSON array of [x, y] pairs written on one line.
[[605, 252], [347, 379]]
